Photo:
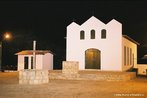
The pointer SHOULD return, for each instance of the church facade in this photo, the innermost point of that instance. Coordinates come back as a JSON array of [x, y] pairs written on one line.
[[96, 45]]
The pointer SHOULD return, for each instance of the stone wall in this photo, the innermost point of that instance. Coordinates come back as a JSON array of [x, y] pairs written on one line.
[[31, 76], [70, 67], [93, 75]]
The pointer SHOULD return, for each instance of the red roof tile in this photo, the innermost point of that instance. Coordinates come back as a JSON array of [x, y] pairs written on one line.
[[30, 52]]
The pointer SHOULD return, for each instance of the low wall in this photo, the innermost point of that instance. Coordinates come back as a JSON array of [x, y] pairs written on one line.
[[93, 75], [31, 76], [70, 71]]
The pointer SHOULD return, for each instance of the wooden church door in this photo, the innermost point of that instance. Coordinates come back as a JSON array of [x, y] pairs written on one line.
[[92, 59]]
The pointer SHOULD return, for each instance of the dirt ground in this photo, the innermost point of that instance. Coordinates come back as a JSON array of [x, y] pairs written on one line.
[[9, 88]]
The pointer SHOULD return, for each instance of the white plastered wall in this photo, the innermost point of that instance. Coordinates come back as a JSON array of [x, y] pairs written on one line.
[[20, 62], [48, 61], [39, 61]]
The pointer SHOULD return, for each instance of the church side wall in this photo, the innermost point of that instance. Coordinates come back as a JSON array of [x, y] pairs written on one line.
[[129, 54]]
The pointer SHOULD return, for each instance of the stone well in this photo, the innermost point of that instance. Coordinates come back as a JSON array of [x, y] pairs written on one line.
[[31, 76]]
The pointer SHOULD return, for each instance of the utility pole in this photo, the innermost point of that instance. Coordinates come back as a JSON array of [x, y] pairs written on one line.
[[34, 54], [5, 36]]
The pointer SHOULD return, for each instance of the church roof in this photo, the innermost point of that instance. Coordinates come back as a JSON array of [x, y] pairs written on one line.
[[93, 19], [132, 40]]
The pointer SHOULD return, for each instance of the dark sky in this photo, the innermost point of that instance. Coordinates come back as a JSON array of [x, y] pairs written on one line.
[[46, 22]]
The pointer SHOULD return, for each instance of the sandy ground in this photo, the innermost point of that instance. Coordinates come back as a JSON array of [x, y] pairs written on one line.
[[9, 88]]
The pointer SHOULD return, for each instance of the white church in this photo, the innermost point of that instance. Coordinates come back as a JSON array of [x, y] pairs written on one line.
[[96, 45]]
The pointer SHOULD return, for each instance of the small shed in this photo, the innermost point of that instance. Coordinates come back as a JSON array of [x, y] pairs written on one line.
[[44, 59]]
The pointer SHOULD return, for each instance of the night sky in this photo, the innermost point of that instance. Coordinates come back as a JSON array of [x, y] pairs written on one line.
[[46, 22]]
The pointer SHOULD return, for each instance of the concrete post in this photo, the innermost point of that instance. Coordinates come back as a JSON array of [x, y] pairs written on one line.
[[34, 54]]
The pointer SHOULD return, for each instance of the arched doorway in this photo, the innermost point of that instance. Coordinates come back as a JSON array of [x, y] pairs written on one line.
[[92, 59]]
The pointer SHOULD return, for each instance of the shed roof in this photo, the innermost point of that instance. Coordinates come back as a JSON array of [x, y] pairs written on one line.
[[30, 52], [132, 40]]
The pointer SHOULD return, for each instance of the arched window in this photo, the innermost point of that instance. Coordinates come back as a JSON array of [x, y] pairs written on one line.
[[92, 34], [82, 34], [103, 34]]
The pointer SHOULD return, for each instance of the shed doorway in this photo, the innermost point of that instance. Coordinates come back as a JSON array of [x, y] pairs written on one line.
[[92, 59], [26, 62]]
